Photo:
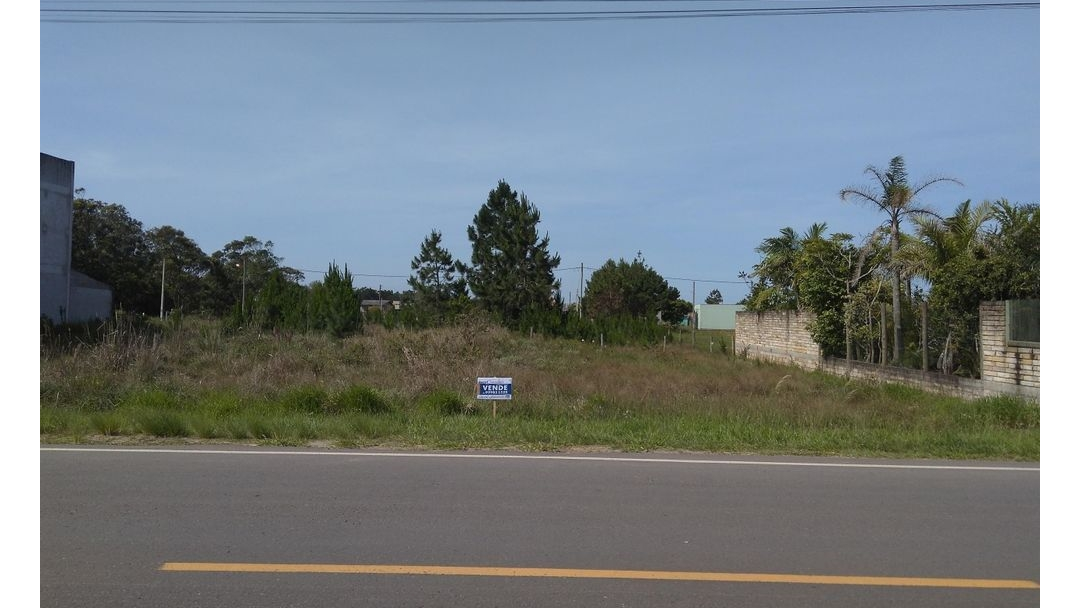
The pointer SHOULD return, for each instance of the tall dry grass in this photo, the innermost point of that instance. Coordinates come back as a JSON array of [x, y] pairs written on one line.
[[287, 388]]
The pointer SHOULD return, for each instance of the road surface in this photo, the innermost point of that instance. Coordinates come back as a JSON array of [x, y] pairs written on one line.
[[245, 526]]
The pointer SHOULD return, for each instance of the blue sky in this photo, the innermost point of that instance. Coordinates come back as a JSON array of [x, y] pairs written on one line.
[[689, 140]]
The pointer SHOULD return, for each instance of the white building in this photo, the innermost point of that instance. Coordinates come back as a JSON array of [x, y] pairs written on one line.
[[717, 316]]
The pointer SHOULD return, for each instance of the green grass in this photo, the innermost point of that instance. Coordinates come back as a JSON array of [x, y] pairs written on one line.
[[413, 389], [163, 423], [359, 399]]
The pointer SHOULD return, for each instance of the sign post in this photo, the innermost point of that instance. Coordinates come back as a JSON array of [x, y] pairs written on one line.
[[494, 389]]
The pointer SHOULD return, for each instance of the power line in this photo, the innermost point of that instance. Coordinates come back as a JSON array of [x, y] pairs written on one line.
[[704, 280], [309, 3], [358, 274], [307, 16], [568, 268], [592, 269]]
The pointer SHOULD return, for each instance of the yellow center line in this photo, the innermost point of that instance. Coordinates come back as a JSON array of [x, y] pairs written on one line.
[[656, 575]]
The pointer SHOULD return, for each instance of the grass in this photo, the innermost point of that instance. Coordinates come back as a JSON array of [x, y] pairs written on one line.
[[193, 381]]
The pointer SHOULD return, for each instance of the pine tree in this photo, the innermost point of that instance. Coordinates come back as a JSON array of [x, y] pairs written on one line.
[[633, 289], [337, 308], [512, 269], [281, 304], [439, 283]]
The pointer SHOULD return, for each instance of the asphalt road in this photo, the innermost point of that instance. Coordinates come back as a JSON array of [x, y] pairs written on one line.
[[268, 527]]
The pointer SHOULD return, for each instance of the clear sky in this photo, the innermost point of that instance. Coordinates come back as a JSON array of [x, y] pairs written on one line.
[[690, 140]]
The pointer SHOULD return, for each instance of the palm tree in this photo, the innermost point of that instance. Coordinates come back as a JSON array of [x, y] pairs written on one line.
[[948, 253], [898, 200], [1017, 246], [777, 286], [815, 232], [941, 240], [778, 268]]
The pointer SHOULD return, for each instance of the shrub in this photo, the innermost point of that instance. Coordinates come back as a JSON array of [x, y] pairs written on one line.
[[310, 399], [151, 399], [164, 423], [446, 403], [359, 399], [109, 423]]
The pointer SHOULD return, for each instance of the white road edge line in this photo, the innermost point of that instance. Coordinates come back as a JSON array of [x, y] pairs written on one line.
[[844, 465]]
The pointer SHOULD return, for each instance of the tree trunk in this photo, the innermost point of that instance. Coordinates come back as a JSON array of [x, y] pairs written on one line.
[[883, 348], [895, 243]]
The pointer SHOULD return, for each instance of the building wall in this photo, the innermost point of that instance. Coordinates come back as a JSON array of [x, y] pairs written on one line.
[[57, 194], [717, 316], [90, 304], [1002, 363], [90, 300], [779, 336]]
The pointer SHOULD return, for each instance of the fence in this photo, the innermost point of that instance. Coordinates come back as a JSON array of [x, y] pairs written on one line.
[[1009, 338]]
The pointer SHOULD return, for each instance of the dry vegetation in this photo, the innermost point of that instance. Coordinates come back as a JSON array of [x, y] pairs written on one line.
[[193, 380]]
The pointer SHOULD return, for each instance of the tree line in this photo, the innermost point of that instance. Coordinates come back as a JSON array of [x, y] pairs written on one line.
[[946, 263], [511, 277]]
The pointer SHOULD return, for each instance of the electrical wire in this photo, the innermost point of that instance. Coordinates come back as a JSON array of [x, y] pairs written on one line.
[[296, 16]]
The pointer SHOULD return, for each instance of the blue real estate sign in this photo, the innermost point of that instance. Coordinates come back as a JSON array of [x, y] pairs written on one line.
[[493, 388]]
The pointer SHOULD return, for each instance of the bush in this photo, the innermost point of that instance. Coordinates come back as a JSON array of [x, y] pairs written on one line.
[[446, 403], [152, 399], [359, 399], [109, 423], [309, 399], [164, 423]]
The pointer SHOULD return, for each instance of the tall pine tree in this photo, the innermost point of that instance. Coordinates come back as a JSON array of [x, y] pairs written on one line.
[[512, 272], [335, 302], [438, 282]]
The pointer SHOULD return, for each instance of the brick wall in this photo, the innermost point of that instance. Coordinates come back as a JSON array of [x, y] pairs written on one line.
[[935, 382], [1002, 363], [779, 336]]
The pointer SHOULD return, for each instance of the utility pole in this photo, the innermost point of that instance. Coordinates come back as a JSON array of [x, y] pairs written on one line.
[[694, 313], [162, 313], [243, 283], [581, 288]]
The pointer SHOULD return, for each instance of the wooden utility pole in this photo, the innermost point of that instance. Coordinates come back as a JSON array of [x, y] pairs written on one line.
[[162, 312], [581, 287], [694, 315]]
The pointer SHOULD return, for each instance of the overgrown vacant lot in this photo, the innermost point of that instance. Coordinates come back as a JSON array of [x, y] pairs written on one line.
[[194, 381]]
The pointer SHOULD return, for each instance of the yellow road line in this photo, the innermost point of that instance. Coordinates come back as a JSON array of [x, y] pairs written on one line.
[[728, 577]]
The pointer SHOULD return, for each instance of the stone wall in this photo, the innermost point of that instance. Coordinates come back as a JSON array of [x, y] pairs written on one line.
[[780, 336]]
